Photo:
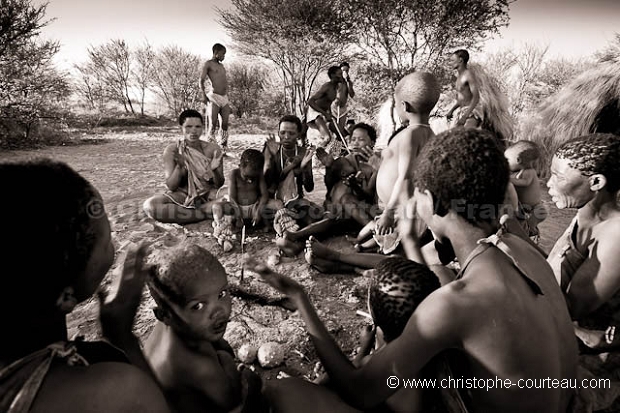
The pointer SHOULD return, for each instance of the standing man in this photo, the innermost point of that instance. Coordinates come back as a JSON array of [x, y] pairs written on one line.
[[467, 93], [339, 106], [216, 98], [320, 105]]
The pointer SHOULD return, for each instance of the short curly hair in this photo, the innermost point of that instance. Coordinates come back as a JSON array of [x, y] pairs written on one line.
[[528, 151], [372, 132], [466, 171], [49, 230], [190, 113], [396, 289], [598, 153], [252, 158], [172, 268], [420, 89]]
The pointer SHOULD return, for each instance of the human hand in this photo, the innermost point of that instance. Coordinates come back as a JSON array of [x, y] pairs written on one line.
[[409, 224], [256, 218], [323, 156], [307, 156], [117, 315], [594, 339], [281, 283], [272, 144], [367, 339], [218, 155], [385, 223]]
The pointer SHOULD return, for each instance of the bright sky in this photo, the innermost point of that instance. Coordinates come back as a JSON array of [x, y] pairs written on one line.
[[572, 28]]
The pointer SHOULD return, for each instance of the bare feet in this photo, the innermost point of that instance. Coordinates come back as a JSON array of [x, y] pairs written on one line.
[[319, 250], [289, 248]]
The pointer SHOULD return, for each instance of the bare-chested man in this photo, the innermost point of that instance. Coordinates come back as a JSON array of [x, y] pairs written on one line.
[[216, 98], [467, 93], [320, 104], [340, 109]]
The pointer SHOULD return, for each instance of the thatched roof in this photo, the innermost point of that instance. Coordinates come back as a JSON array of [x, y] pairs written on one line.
[[589, 103], [493, 103]]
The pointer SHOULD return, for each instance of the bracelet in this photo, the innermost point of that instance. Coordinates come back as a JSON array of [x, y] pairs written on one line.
[[610, 333]]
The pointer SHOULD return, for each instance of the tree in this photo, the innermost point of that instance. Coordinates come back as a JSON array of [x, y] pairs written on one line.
[[246, 85], [404, 36], [143, 71], [88, 87], [111, 63], [175, 78], [313, 35], [31, 88]]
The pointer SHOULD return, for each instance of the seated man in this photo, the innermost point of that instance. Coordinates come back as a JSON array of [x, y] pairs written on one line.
[[505, 291], [351, 194], [194, 173], [288, 172]]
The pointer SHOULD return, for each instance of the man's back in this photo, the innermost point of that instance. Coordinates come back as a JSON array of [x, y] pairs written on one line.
[[510, 332]]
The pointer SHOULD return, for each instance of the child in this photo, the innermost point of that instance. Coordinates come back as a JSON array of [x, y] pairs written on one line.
[[41, 369], [194, 173], [396, 288], [415, 96], [186, 350], [521, 156], [248, 198]]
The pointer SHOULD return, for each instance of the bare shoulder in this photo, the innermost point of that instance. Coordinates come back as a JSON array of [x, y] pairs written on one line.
[[607, 235], [170, 149], [209, 148], [100, 387]]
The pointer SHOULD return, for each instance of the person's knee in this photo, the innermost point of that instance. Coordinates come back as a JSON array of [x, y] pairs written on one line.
[[149, 207]]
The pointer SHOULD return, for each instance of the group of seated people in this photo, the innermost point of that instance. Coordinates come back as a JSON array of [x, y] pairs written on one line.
[[508, 314]]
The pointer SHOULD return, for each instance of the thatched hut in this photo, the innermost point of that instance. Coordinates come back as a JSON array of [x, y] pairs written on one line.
[[589, 103]]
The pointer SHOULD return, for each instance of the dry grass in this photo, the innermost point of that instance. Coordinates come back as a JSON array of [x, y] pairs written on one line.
[[588, 104]]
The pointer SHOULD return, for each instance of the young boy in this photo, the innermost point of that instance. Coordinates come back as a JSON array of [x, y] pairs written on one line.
[[194, 173], [192, 362], [397, 287], [415, 96], [505, 291], [216, 99], [248, 197], [521, 155]]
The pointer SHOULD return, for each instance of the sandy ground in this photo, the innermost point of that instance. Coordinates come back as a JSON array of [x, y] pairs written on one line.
[[126, 168]]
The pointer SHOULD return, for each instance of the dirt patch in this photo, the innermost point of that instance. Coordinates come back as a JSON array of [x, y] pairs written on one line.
[[126, 167]]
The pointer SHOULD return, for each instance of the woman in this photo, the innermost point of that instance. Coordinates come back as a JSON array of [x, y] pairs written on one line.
[[585, 174], [56, 249]]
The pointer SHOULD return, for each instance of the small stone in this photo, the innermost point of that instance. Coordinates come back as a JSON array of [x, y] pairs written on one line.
[[247, 353], [271, 355]]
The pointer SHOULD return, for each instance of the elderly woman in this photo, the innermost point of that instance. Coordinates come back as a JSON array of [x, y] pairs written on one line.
[[585, 174]]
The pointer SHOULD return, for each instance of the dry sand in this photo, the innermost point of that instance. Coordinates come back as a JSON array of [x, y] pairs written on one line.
[[126, 168]]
